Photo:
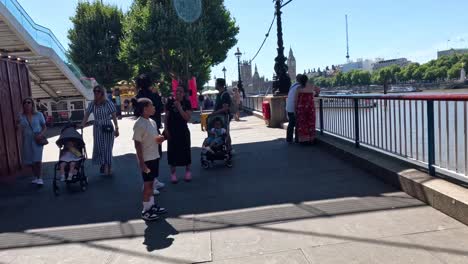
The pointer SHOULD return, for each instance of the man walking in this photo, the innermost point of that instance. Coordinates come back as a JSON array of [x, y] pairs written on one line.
[[222, 106], [301, 82]]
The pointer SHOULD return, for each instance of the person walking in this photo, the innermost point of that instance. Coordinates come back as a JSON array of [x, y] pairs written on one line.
[[147, 139], [291, 102], [237, 103], [222, 106], [32, 126], [178, 114], [144, 85], [104, 132]]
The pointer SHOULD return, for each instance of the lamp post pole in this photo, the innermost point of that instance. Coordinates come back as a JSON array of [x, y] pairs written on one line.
[[224, 71], [239, 84], [282, 82]]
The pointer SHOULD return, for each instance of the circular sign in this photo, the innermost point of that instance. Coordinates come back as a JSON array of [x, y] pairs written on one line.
[[188, 10]]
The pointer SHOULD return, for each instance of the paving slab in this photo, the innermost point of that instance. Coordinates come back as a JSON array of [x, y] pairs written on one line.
[[153, 248], [450, 246], [290, 257], [393, 250]]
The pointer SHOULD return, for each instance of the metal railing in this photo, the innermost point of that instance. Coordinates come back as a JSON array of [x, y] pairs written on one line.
[[253, 103], [44, 37], [428, 130]]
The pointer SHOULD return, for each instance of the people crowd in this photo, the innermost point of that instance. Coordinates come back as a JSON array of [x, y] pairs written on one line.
[[149, 133]]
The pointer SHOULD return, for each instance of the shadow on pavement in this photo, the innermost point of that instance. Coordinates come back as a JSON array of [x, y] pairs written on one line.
[[270, 182]]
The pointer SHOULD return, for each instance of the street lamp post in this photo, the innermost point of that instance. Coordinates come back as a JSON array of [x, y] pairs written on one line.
[[239, 84], [224, 71], [282, 82]]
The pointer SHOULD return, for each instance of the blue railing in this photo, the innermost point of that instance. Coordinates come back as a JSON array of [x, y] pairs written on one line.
[[44, 37]]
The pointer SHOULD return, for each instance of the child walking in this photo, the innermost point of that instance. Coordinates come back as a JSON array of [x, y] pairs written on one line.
[[147, 141]]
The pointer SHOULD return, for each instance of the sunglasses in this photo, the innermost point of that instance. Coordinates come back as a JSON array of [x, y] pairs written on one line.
[[27, 102], [97, 91]]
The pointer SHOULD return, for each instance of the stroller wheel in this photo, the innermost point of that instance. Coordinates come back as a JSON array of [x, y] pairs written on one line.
[[83, 186], [56, 191], [205, 164]]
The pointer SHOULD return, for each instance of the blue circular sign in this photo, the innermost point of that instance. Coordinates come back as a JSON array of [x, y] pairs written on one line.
[[188, 10]]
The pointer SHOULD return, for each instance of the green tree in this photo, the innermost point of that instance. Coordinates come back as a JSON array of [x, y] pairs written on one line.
[[339, 80], [431, 74], [384, 76], [454, 72], [365, 78], [95, 42], [159, 42], [418, 74]]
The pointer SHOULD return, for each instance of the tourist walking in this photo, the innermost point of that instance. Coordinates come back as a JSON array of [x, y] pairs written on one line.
[[237, 103], [222, 106], [104, 132], [147, 141], [178, 114], [291, 103], [32, 126]]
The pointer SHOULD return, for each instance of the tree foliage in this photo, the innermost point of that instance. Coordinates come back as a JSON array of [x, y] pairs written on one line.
[[447, 67], [159, 42], [95, 42]]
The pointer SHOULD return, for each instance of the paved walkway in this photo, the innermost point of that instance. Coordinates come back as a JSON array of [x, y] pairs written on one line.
[[279, 204]]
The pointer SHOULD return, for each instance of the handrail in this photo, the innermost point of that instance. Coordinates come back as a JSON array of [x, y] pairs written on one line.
[[430, 130], [43, 36], [412, 97]]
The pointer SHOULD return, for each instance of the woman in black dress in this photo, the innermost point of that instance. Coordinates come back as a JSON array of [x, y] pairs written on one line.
[[178, 114]]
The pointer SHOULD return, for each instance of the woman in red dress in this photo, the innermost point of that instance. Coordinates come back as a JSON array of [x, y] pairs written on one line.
[[305, 111]]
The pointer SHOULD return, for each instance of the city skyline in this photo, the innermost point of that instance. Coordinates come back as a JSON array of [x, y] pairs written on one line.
[[317, 38]]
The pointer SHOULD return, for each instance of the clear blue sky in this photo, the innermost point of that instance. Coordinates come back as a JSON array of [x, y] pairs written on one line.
[[315, 30]]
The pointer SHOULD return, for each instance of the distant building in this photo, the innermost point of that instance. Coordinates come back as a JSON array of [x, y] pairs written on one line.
[[451, 52], [292, 65], [360, 64], [253, 84], [246, 74], [402, 62]]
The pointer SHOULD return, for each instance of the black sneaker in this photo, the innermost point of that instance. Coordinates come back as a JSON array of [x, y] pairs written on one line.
[[149, 215], [158, 210]]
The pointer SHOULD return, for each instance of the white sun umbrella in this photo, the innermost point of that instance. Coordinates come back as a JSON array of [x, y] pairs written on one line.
[[209, 92]]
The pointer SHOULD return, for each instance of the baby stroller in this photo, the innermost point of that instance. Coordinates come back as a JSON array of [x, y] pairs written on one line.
[[68, 134], [220, 152]]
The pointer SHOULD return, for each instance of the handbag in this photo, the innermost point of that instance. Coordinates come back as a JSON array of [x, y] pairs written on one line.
[[42, 140], [107, 128]]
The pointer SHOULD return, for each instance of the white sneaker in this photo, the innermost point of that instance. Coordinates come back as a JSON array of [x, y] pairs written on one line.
[[156, 192], [158, 185], [39, 182], [34, 181]]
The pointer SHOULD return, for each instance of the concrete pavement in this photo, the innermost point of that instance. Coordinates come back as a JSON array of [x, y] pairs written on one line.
[[279, 204]]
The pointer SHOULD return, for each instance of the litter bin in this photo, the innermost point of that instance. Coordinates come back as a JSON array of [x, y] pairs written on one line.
[[266, 112]]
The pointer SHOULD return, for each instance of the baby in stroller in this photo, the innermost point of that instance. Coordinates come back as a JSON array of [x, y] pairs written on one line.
[[71, 159], [70, 155], [216, 137], [214, 146]]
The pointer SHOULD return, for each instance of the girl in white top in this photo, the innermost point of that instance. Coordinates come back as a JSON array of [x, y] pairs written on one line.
[[147, 140]]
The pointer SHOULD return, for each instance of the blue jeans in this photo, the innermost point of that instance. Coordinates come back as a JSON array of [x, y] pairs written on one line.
[[291, 127]]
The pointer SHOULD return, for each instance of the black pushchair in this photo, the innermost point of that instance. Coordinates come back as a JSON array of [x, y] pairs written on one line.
[[220, 152], [69, 133]]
